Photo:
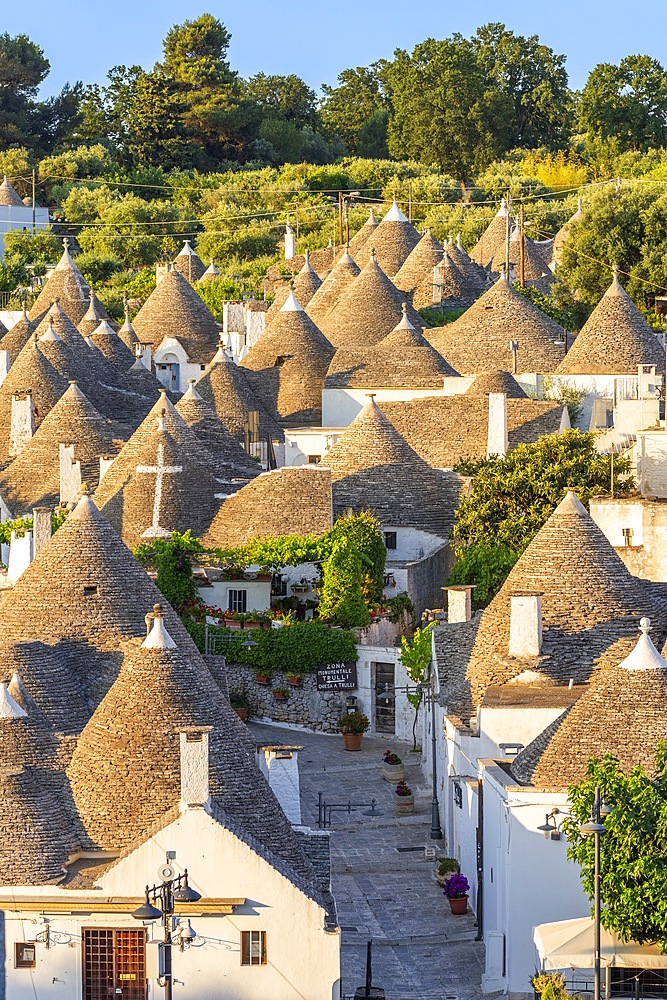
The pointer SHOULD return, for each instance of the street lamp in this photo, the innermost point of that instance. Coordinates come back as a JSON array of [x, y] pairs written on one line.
[[171, 891], [596, 827]]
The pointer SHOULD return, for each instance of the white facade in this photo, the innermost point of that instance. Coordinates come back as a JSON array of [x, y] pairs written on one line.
[[20, 217], [341, 405], [173, 367], [302, 957], [257, 594]]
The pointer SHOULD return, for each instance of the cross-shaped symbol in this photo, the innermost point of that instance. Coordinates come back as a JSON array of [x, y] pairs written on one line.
[[160, 471]]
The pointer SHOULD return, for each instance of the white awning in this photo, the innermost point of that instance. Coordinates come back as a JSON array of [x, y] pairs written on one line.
[[569, 944]]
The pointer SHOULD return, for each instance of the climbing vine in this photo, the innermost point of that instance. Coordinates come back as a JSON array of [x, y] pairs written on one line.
[[22, 524]]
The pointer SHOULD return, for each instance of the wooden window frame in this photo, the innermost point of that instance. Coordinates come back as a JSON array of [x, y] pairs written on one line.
[[248, 939], [21, 963], [233, 602]]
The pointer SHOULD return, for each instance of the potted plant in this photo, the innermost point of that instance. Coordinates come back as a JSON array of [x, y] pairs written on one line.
[[353, 725], [263, 675], [280, 694], [240, 704], [294, 679], [392, 767], [445, 867], [404, 800], [456, 890], [302, 586]]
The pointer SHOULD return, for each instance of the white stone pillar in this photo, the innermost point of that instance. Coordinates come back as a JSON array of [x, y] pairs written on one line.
[[497, 441], [22, 425], [21, 553], [280, 766], [525, 624], [41, 527], [194, 766], [290, 242], [70, 475], [459, 603]]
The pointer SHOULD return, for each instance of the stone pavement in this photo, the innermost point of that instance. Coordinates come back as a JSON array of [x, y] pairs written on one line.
[[385, 890]]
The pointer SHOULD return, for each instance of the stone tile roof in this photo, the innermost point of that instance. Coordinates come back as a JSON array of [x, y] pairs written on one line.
[[156, 486], [53, 683], [480, 339], [614, 340], [126, 766], [459, 286], [343, 273], [415, 277], [320, 260], [536, 271], [127, 333], [8, 196], [374, 468], [491, 244], [563, 234], [174, 309], [590, 609], [67, 286], [189, 264], [477, 277], [84, 593], [304, 286], [498, 381], [18, 336], [201, 417], [295, 500], [393, 241], [362, 235], [94, 315], [210, 274], [33, 477], [117, 353], [225, 385], [403, 358], [369, 309], [623, 711], [31, 372], [445, 429], [287, 366]]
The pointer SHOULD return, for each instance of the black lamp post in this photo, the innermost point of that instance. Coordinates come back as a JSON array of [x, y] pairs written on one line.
[[172, 891], [596, 827]]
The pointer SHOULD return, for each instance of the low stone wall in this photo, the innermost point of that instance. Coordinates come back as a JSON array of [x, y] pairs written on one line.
[[305, 706]]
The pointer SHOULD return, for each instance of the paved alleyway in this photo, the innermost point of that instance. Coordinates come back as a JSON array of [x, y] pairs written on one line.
[[384, 887]]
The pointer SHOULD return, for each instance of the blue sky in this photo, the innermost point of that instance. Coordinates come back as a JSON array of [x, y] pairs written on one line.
[[317, 40]]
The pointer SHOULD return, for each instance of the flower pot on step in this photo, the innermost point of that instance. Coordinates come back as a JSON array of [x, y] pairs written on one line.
[[352, 741], [404, 805], [459, 905], [393, 773]]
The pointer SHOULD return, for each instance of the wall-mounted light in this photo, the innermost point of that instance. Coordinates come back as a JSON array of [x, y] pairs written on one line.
[[550, 828]]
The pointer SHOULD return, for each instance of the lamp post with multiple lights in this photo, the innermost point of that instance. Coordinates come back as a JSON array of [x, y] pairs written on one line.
[[171, 891], [595, 827]]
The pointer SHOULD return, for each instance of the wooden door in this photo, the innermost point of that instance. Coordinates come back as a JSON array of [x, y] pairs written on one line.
[[114, 963]]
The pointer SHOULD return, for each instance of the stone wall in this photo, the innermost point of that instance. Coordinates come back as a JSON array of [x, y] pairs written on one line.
[[305, 706]]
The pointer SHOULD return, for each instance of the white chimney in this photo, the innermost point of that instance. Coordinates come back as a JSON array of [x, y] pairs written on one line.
[[497, 442], [106, 461], [22, 423], [459, 604], [525, 623], [280, 766], [194, 766], [20, 555], [41, 527], [290, 242], [565, 424], [5, 362], [70, 475]]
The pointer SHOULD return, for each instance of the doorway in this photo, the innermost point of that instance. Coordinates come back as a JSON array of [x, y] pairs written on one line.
[[114, 963], [385, 707]]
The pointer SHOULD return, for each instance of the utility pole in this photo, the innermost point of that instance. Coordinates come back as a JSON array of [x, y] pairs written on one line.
[[507, 239], [522, 249], [410, 201], [340, 218], [33, 200]]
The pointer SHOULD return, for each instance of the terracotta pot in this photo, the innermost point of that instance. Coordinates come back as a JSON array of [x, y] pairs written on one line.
[[232, 624], [242, 713], [262, 679], [294, 681], [279, 696], [352, 741], [252, 625], [459, 905], [393, 773]]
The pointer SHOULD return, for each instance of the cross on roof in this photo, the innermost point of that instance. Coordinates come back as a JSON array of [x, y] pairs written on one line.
[[160, 471]]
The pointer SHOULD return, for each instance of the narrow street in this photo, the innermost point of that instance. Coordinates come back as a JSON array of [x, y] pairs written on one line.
[[384, 887]]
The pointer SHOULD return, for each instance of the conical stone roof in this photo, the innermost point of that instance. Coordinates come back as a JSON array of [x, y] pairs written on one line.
[[125, 771], [415, 277], [287, 501], [189, 264], [117, 353], [403, 358], [367, 311], [563, 234], [374, 468], [477, 277], [497, 381], [225, 385], [210, 274], [289, 364], [17, 337], [623, 712], [590, 603], [31, 372], [393, 241], [536, 272], [304, 287], [8, 196], [174, 309], [33, 478], [127, 333], [362, 235], [458, 287], [343, 273], [94, 315], [52, 682], [491, 244], [200, 416], [614, 340], [480, 339], [84, 593], [157, 488], [66, 285]]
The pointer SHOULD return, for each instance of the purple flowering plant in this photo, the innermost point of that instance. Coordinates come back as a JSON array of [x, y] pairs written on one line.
[[456, 886]]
